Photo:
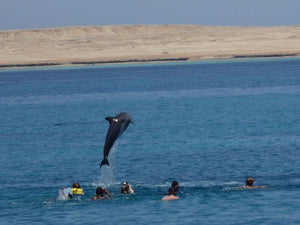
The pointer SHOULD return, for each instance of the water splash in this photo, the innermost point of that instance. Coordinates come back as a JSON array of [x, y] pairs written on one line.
[[106, 177], [64, 194]]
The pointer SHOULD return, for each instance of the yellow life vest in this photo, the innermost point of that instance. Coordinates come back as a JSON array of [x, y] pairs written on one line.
[[77, 191]]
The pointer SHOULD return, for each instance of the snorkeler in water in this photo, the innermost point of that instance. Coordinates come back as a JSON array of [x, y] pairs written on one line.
[[249, 184], [100, 194], [173, 190], [76, 189], [126, 188]]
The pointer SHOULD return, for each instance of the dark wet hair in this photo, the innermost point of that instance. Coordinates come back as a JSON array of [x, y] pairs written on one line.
[[99, 191], [172, 191], [76, 185], [249, 181], [175, 184]]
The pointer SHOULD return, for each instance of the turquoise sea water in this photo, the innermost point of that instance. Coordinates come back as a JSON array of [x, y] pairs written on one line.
[[208, 125]]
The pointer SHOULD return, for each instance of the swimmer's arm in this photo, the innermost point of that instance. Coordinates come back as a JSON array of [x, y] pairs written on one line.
[[131, 191], [260, 186], [250, 187], [107, 192]]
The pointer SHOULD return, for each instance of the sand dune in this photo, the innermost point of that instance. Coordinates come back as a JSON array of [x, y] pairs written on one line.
[[103, 44]]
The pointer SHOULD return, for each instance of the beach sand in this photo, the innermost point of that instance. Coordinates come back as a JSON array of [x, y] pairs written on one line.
[[143, 43]]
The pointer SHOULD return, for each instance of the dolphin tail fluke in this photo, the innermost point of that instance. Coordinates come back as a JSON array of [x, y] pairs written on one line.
[[104, 162]]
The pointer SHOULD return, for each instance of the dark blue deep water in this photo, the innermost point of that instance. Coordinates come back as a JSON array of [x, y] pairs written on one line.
[[208, 125]]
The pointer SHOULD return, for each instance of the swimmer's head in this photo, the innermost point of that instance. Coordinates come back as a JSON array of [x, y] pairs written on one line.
[[175, 184], [76, 185], [125, 188], [99, 191], [249, 181]]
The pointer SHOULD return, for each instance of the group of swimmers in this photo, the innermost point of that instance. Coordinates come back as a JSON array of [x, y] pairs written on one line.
[[102, 193], [126, 188]]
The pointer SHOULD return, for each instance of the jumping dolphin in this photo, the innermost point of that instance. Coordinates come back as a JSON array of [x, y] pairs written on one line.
[[117, 126]]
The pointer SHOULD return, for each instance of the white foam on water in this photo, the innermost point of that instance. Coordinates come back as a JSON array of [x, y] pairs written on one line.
[[106, 177], [63, 194]]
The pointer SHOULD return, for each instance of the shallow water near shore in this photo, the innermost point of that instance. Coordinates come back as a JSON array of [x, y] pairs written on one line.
[[207, 125]]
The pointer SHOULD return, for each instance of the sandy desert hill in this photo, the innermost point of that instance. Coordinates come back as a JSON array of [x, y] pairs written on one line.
[[138, 43]]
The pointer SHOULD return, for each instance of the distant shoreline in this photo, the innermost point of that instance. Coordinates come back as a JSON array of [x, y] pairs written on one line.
[[96, 45], [90, 63], [116, 62]]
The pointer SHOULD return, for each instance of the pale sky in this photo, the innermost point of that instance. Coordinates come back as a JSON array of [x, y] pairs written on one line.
[[26, 14]]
